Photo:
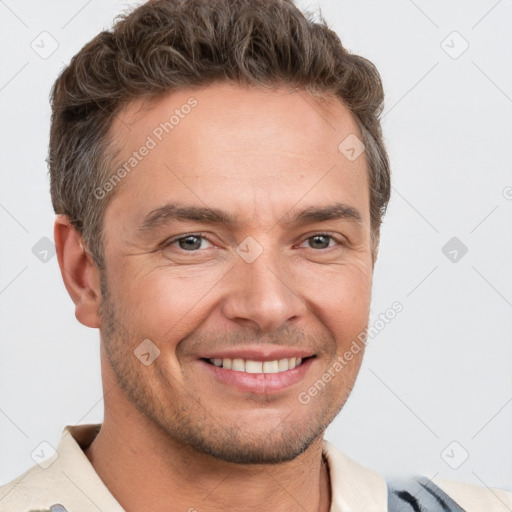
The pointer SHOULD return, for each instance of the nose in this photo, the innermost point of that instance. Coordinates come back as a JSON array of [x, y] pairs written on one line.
[[263, 293]]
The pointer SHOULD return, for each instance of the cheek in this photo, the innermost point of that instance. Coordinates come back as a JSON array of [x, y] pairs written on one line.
[[344, 287], [169, 302], [161, 304], [341, 300]]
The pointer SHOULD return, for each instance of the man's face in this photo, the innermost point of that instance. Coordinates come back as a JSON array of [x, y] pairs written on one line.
[[269, 285]]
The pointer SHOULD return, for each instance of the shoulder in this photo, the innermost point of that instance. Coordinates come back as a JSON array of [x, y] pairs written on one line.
[[31, 492], [60, 482], [475, 497], [423, 494]]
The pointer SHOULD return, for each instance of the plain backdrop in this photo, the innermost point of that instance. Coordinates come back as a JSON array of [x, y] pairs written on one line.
[[434, 395]]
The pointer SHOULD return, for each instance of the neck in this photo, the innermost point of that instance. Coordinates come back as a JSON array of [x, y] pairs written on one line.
[[146, 471]]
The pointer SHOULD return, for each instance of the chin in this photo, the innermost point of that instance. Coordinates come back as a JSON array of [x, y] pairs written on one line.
[[241, 444], [263, 452]]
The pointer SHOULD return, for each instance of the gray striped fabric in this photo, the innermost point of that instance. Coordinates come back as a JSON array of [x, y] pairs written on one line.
[[419, 494]]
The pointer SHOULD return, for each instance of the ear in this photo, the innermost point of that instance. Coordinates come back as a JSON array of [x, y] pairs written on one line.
[[80, 274]]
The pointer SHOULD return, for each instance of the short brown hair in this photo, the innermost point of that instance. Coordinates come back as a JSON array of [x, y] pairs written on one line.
[[165, 45]]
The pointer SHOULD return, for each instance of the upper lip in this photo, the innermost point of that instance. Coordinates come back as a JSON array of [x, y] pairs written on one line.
[[259, 353]]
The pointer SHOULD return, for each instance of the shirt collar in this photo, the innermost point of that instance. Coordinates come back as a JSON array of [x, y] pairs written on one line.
[[354, 488]]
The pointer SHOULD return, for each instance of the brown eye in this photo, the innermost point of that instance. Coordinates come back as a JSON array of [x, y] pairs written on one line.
[[321, 241]]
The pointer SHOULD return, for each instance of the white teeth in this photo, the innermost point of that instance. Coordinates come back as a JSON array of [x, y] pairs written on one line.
[[254, 366], [282, 365], [238, 365], [270, 366], [251, 366]]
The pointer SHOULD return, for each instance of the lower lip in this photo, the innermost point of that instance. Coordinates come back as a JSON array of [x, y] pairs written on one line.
[[260, 383]]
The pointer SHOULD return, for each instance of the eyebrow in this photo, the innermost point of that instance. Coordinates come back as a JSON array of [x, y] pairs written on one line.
[[179, 212]]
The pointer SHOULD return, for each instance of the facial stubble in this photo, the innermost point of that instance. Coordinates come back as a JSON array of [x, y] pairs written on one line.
[[187, 420]]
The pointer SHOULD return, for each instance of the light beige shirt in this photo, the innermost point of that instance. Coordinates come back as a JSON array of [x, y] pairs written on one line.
[[69, 479]]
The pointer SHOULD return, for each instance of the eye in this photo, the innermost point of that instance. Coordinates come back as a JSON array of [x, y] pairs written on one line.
[[188, 243], [321, 241]]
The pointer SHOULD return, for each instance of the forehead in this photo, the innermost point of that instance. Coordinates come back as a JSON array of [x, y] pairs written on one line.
[[239, 144], [249, 113]]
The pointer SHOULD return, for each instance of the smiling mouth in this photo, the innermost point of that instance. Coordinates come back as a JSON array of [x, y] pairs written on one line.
[[253, 366]]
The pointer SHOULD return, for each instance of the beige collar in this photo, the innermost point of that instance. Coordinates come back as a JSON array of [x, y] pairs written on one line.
[[354, 488]]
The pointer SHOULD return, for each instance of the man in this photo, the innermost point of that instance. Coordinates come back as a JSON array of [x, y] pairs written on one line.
[[219, 175]]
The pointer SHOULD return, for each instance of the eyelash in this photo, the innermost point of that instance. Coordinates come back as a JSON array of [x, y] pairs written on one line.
[[168, 243]]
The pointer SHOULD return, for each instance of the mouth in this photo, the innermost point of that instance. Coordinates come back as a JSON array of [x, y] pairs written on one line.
[[256, 376], [255, 366]]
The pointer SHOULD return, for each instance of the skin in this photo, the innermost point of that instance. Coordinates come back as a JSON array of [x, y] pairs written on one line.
[[173, 437]]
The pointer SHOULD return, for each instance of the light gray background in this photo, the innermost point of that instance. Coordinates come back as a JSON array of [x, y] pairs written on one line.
[[441, 371]]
